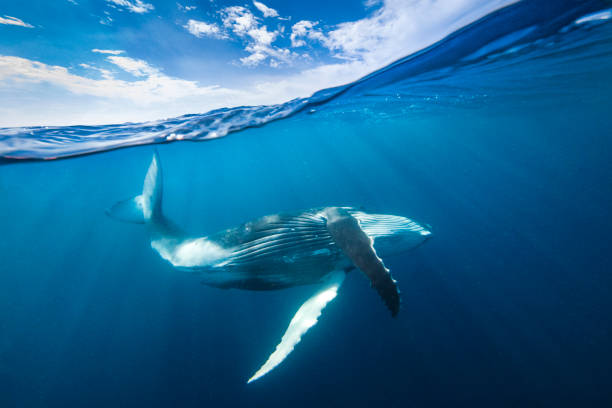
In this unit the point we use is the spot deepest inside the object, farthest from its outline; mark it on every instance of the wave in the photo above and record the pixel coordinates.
(515, 34)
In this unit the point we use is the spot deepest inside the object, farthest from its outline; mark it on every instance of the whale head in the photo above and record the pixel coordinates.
(392, 234)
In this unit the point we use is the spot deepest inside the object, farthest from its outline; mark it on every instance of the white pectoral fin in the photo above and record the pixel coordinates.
(306, 317)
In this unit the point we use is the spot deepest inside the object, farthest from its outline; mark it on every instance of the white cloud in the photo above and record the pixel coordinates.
(238, 19)
(14, 21)
(135, 6)
(113, 52)
(202, 29)
(105, 73)
(370, 3)
(73, 2)
(136, 67)
(260, 53)
(254, 59)
(42, 94)
(262, 36)
(305, 29)
(106, 19)
(266, 11)
(152, 85)
(258, 39)
(185, 8)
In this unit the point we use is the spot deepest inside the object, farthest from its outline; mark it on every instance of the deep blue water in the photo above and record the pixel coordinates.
(498, 138)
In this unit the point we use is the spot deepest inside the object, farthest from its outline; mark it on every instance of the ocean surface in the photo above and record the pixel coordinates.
(498, 138)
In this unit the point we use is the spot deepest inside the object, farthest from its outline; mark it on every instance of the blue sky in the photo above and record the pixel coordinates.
(109, 61)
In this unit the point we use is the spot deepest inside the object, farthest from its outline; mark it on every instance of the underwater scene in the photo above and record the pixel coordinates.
(436, 233)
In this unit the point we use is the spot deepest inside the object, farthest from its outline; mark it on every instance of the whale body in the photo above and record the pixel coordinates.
(312, 247)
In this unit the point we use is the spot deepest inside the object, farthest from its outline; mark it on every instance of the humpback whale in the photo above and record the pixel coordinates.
(313, 247)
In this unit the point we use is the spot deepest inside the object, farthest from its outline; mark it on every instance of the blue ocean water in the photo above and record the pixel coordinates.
(498, 137)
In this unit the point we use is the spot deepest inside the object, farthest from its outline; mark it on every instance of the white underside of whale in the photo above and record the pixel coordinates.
(189, 253)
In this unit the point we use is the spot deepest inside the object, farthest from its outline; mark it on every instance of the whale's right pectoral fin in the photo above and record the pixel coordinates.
(306, 317)
(358, 247)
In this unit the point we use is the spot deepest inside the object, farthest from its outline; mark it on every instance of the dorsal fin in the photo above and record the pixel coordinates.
(358, 247)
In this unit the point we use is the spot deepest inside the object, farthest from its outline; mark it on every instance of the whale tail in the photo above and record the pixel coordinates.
(145, 208)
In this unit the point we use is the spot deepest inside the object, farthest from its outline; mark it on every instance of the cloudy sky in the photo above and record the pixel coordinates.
(109, 61)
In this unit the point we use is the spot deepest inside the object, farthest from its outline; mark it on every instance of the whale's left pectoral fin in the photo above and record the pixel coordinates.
(306, 317)
(359, 248)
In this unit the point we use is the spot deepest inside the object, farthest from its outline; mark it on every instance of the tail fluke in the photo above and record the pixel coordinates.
(129, 210)
(147, 206)
(152, 190)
